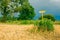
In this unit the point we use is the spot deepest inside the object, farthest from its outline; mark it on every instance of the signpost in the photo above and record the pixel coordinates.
(42, 12)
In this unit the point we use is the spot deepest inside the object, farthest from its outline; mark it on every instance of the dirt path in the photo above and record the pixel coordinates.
(19, 32)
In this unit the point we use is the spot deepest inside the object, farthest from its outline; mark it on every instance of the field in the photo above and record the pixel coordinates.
(20, 32)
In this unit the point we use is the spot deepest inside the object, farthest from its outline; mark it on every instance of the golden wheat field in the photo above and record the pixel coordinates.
(20, 32)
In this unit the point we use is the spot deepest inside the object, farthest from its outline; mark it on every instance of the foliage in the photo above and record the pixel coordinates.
(4, 8)
(9, 7)
(46, 24)
(21, 22)
(27, 12)
(48, 16)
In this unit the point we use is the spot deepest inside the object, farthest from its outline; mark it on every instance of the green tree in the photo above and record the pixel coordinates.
(15, 6)
(4, 8)
(8, 7)
(27, 12)
(48, 16)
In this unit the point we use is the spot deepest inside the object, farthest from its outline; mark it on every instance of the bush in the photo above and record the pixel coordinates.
(49, 16)
(46, 24)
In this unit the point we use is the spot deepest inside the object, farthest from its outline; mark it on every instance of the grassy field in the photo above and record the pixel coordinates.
(21, 32)
(27, 22)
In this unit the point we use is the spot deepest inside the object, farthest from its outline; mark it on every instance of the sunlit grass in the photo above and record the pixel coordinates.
(23, 32)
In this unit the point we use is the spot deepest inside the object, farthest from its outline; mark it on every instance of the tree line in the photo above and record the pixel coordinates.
(26, 12)
(9, 7)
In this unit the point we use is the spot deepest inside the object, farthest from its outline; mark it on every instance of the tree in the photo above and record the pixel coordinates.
(48, 16)
(15, 6)
(27, 12)
(8, 7)
(4, 8)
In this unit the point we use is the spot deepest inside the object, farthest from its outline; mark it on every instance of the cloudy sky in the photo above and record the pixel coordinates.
(51, 7)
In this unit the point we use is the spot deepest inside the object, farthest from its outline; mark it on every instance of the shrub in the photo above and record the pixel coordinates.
(46, 24)
(49, 16)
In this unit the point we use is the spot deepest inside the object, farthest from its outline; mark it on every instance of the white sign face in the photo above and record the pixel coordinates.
(42, 11)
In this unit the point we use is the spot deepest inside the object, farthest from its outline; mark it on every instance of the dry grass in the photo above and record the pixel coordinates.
(20, 32)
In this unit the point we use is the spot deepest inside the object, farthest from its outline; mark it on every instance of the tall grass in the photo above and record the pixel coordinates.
(22, 22)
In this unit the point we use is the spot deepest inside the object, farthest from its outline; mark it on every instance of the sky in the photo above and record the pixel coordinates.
(51, 7)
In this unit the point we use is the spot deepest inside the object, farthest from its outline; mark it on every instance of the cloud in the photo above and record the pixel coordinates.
(55, 3)
(55, 0)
